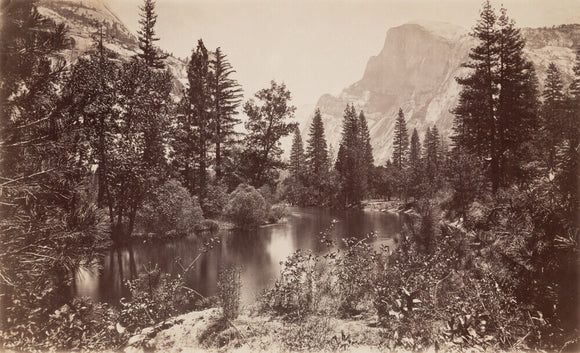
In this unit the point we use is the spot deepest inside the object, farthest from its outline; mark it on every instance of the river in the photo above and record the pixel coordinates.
(257, 253)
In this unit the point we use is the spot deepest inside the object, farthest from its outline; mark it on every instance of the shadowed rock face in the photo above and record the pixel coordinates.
(416, 71)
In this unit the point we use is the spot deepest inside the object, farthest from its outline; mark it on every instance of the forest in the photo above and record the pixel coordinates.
(103, 152)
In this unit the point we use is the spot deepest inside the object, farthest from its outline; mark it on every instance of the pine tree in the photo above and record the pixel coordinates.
(415, 165)
(568, 156)
(317, 157)
(193, 133)
(432, 153)
(226, 93)
(400, 142)
(349, 162)
(146, 35)
(415, 150)
(367, 152)
(297, 164)
(497, 110)
(517, 104)
(553, 114)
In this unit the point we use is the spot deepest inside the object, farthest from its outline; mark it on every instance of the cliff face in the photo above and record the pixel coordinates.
(83, 17)
(416, 71)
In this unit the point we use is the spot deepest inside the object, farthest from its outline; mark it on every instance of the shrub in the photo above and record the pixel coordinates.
(292, 294)
(276, 213)
(215, 201)
(355, 272)
(207, 225)
(83, 324)
(246, 207)
(450, 295)
(229, 291)
(170, 208)
(155, 297)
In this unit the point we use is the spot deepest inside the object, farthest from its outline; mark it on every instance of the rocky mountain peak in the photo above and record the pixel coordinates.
(416, 71)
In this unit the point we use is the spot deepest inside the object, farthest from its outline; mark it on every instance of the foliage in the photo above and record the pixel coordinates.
(229, 291)
(84, 324)
(215, 202)
(367, 164)
(194, 124)
(400, 142)
(155, 297)
(276, 213)
(48, 227)
(246, 207)
(268, 121)
(317, 158)
(146, 36)
(226, 94)
(497, 110)
(292, 294)
(355, 273)
(297, 164)
(350, 162)
(170, 209)
(296, 193)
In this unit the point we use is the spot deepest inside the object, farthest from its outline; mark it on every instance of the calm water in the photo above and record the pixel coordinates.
(258, 253)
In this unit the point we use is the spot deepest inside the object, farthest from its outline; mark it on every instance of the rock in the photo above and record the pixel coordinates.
(136, 340)
(132, 349)
(148, 332)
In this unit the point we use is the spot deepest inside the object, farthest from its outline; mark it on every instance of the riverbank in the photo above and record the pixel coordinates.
(205, 331)
(390, 206)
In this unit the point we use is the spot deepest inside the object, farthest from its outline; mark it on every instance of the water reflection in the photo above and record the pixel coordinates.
(258, 253)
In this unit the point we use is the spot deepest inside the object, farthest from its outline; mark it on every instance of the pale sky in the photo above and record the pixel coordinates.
(314, 46)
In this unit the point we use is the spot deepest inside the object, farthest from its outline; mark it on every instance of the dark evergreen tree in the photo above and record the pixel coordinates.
(553, 115)
(317, 157)
(568, 155)
(226, 94)
(349, 162)
(268, 121)
(146, 35)
(297, 165)
(199, 95)
(517, 105)
(415, 165)
(400, 142)
(415, 150)
(497, 110)
(194, 131)
(366, 153)
(432, 152)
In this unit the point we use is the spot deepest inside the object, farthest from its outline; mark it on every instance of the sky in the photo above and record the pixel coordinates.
(314, 46)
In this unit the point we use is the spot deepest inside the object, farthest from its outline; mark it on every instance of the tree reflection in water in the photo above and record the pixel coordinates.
(257, 253)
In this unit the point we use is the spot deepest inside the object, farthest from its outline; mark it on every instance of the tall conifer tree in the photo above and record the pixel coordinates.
(553, 114)
(297, 164)
(497, 110)
(350, 158)
(317, 157)
(415, 150)
(146, 35)
(226, 95)
(400, 142)
(367, 152)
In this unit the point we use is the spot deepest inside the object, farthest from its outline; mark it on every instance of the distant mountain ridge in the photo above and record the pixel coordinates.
(416, 71)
